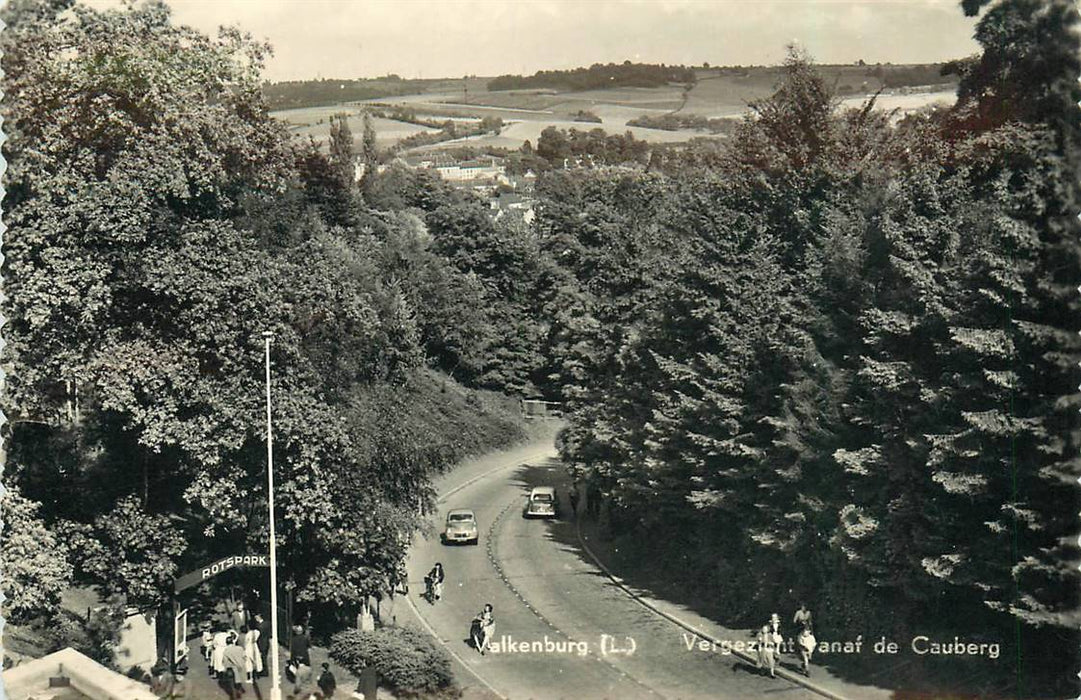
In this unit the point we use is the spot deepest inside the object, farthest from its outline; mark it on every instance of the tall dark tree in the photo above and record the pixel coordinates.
(342, 156)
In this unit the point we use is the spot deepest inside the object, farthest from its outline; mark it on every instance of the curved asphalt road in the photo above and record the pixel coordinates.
(593, 640)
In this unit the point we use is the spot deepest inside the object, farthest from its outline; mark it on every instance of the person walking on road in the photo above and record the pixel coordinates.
(262, 644)
(802, 618)
(483, 628)
(239, 617)
(326, 682)
(217, 653)
(300, 652)
(775, 633)
(233, 659)
(806, 643)
(206, 640)
(766, 651)
(253, 661)
(574, 499)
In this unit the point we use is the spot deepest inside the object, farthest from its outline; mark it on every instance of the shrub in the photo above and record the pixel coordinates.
(407, 660)
(96, 637)
(675, 122)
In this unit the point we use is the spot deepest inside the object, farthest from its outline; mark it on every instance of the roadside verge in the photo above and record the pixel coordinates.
(823, 684)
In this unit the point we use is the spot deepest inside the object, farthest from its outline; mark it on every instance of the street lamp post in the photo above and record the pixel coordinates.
(275, 687)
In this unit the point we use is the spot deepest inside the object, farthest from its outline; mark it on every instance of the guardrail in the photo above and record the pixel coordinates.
(535, 408)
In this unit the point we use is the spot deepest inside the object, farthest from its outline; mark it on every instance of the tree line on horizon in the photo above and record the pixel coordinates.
(598, 76)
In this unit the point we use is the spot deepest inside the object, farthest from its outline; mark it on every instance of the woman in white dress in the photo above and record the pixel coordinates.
(253, 662)
(217, 655)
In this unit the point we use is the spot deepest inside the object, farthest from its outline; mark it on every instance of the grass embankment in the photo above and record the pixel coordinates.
(466, 421)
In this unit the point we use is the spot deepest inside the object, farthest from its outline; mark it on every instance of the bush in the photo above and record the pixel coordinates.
(407, 660)
(96, 637)
(676, 122)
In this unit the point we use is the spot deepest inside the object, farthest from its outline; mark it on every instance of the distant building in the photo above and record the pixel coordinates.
(524, 182)
(512, 203)
(478, 171)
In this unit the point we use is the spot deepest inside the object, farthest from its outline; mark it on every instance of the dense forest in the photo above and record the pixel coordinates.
(831, 358)
(835, 359)
(158, 222)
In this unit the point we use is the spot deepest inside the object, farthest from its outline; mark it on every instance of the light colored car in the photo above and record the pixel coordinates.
(461, 527)
(542, 503)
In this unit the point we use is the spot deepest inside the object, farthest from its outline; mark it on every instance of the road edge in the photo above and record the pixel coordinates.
(780, 672)
(442, 498)
(459, 659)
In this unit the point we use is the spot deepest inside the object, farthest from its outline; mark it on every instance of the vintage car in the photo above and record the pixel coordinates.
(542, 503)
(461, 527)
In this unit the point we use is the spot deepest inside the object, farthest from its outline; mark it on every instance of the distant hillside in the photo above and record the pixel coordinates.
(329, 91)
(848, 79)
(597, 76)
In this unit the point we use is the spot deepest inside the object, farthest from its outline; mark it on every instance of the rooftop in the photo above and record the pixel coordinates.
(70, 675)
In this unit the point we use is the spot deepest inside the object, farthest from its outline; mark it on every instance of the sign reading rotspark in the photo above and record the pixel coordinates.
(213, 569)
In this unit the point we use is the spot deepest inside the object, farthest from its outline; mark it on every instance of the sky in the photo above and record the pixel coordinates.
(453, 38)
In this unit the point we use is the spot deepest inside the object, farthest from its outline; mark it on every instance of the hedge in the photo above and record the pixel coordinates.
(406, 659)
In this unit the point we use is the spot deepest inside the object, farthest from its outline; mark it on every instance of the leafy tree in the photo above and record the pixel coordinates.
(35, 561)
(1026, 69)
(342, 158)
(159, 222)
(369, 153)
(506, 261)
(552, 145)
(129, 552)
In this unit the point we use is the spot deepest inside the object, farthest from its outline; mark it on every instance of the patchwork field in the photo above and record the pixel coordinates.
(906, 101)
(315, 122)
(526, 113)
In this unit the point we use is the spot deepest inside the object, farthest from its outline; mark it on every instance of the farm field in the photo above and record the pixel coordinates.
(315, 122)
(526, 113)
(905, 101)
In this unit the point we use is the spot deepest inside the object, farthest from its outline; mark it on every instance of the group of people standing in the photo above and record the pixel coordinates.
(237, 651)
(770, 641)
